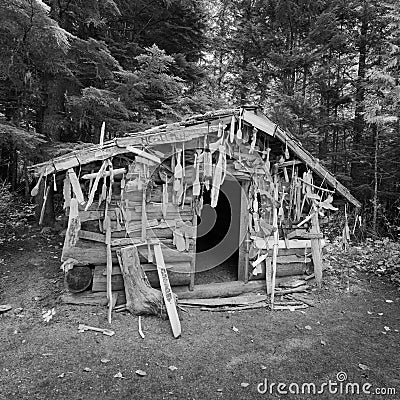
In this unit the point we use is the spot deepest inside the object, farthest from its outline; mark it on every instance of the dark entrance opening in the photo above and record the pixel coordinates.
(217, 244)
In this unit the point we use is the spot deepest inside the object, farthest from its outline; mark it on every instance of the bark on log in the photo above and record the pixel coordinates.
(141, 298)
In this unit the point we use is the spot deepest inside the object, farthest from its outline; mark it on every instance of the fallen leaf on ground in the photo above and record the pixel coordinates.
(172, 368)
(244, 384)
(48, 315)
(363, 367)
(140, 372)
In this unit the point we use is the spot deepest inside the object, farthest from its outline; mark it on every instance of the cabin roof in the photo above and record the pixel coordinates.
(193, 127)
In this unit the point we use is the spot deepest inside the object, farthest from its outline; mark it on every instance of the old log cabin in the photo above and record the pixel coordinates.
(227, 193)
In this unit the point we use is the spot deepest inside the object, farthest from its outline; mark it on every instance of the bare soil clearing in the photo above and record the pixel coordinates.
(40, 360)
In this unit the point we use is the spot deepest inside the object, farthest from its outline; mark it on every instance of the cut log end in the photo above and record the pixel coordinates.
(78, 279)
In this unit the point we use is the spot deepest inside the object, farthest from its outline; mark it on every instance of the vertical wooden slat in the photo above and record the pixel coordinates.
(316, 250)
(268, 275)
(276, 241)
(243, 262)
(193, 262)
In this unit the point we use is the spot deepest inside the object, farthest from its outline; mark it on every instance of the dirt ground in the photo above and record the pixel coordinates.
(353, 329)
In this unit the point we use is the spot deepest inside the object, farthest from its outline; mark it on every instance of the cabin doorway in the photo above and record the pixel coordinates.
(217, 243)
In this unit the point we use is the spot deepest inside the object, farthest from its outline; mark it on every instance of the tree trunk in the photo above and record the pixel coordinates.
(53, 111)
(375, 199)
(357, 169)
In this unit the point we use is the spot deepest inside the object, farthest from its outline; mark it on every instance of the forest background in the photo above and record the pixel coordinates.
(327, 70)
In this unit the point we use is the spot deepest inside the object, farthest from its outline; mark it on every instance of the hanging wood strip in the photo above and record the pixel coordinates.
(95, 184)
(74, 225)
(76, 187)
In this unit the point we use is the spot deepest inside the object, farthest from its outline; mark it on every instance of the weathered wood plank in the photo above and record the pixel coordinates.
(179, 275)
(303, 234)
(221, 289)
(90, 298)
(293, 243)
(92, 236)
(225, 301)
(95, 254)
(282, 270)
(316, 251)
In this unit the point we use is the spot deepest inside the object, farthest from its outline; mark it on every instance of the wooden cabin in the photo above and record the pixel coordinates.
(229, 194)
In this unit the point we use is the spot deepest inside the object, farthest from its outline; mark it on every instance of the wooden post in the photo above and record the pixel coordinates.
(243, 262)
(107, 223)
(268, 275)
(276, 241)
(193, 262)
(316, 249)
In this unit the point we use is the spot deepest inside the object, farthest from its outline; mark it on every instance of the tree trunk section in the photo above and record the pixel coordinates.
(78, 279)
(141, 298)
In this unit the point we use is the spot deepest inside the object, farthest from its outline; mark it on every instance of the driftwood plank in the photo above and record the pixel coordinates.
(283, 270)
(227, 301)
(90, 298)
